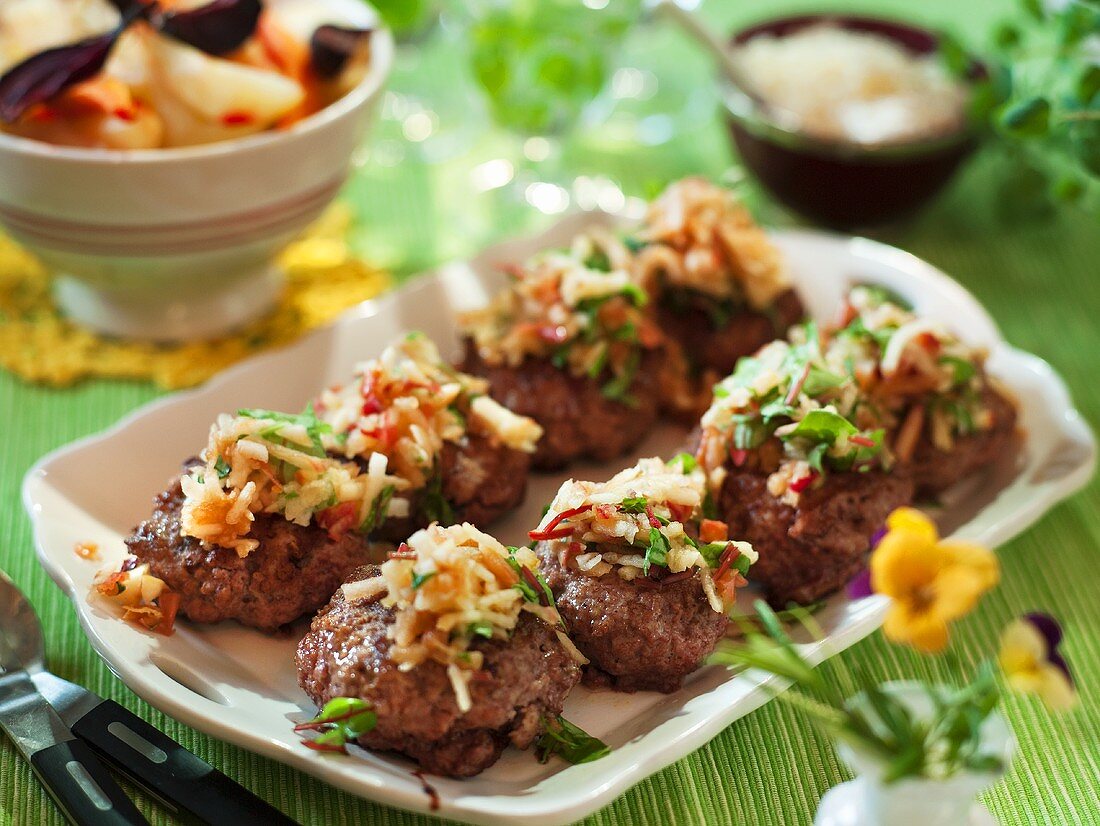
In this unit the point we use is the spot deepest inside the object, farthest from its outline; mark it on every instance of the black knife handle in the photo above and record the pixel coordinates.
(82, 788)
(194, 789)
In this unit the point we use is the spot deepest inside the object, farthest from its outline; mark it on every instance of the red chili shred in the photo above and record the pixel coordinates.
(738, 457)
(799, 485)
(862, 441)
(551, 531)
(238, 118)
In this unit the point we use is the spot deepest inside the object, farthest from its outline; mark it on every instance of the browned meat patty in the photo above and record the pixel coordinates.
(577, 419)
(482, 480)
(935, 470)
(292, 572)
(524, 679)
(639, 637)
(717, 350)
(810, 551)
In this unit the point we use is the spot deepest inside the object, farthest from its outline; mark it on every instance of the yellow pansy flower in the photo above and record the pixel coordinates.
(932, 582)
(1031, 663)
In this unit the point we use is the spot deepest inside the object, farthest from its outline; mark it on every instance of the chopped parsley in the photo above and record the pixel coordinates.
(541, 594)
(656, 552)
(376, 517)
(433, 504)
(480, 629)
(686, 461)
(420, 579)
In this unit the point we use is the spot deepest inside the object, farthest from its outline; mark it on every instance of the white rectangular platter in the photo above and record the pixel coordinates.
(239, 685)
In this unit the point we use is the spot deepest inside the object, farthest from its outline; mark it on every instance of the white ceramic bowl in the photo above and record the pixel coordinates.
(178, 244)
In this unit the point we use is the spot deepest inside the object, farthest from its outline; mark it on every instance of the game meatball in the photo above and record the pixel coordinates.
(455, 661)
(456, 454)
(291, 574)
(569, 344)
(643, 583)
(718, 286)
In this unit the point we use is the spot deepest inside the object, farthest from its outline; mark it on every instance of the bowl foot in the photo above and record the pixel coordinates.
(166, 315)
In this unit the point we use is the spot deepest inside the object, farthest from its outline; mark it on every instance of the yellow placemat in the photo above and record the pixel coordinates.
(40, 345)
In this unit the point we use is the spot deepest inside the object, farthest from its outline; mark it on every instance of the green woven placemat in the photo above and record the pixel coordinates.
(1040, 282)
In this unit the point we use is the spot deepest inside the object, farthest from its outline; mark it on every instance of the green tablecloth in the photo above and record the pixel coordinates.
(1038, 280)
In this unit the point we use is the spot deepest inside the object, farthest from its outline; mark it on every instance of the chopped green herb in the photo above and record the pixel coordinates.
(618, 388)
(656, 553)
(963, 371)
(685, 460)
(634, 504)
(378, 510)
(222, 467)
(433, 504)
(480, 629)
(420, 579)
(569, 742)
(342, 719)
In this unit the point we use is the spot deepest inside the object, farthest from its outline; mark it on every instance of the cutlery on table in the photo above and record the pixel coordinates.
(193, 789)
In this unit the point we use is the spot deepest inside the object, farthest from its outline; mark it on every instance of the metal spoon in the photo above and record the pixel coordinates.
(190, 787)
(67, 768)
(723, 56)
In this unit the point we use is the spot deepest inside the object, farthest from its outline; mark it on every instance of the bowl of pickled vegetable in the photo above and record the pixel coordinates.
(158, 155)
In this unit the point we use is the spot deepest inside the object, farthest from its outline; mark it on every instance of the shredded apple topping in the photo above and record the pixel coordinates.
(825, 401)
(575, 308)
(700, 238)
(407, 403)
(646, 519)
(262, 461)
(137, 595)
(450, 586)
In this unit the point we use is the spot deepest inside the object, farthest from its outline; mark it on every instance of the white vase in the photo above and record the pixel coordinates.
(917, 801)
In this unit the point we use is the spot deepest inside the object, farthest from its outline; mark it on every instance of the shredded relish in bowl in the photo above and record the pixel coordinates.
(139, 596)
(449, 587)
(405, 404)
(825, 401)
(646, 519)
(581, 308)
(699, 240)
(262, 461)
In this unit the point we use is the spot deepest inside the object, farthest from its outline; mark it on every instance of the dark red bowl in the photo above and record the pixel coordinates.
(840, 184)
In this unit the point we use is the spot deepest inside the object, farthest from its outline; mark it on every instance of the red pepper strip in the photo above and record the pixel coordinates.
(371, 404)
(738, 457)
(560, 533)
(799, 485)
(532, 580)
(654, 522)
(549, 533)
(313, 744)
(403, 552)
(862, 441)
(605, 511)
(796, 388)
(725, 560)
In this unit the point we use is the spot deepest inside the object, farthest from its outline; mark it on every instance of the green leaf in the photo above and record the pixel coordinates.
(433, 504)
(1029, 117)
(569, 742)
(420, 579)
(962, 370)
(634, 504)
(686, 462)
(618, 388)
(1085, 142)
(480, 629)
(656, 553)
(954, 55)
(1088, 84)
(221, 467)
(376, 517)
(822, 426)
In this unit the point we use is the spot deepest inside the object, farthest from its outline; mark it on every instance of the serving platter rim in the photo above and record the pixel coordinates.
(592, 786)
